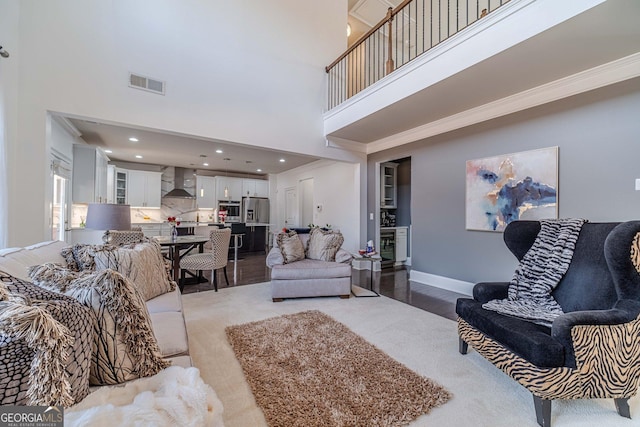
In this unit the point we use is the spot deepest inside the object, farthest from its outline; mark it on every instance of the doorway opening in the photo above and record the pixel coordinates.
(394, 213)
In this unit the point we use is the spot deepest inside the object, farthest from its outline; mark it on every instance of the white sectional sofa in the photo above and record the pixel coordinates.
(165, 310)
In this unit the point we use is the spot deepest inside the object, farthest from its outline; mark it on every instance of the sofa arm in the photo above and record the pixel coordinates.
(274, 257)
(487, 291)
(623, 312)
(343, 256)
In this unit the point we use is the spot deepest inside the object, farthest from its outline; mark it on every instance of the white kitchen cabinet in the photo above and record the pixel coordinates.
(255, 188)
(401, 244)
(262, 188)
(206, 192)
(143, 188)
(89, 182)
(234, 186)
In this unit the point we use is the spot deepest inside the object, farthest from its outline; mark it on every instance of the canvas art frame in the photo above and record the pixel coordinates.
(508, 187)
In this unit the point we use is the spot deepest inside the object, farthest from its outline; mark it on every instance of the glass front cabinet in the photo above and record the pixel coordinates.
(388, 183)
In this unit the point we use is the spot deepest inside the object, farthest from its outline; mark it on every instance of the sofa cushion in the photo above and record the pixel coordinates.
(16, 261)
(290, 246)
(310, 269)
(170, 333)
(171, 301)
(529, 340)
(323, 245)
(32, 371)
(141, 262)
(125, 345)
(47, 251)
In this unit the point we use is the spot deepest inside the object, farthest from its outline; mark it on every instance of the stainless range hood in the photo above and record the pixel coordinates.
(178, 191)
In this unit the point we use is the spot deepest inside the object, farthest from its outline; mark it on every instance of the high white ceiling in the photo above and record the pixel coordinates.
(158, 148)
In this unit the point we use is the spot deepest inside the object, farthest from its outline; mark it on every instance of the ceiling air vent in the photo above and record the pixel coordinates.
(146, 83)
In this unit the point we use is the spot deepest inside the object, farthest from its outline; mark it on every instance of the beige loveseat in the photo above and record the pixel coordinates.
(309, 277)
(165, 311)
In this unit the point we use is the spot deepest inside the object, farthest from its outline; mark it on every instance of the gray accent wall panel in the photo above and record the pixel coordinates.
(598, 135)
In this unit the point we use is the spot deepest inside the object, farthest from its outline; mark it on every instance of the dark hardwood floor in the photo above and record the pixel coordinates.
(392, 283)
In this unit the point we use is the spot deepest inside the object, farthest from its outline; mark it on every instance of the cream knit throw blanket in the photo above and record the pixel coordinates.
(175, 396)
(539, 272)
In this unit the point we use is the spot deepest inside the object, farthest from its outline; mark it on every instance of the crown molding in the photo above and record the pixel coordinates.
(345, 144)
(603, 75)
(66, 123)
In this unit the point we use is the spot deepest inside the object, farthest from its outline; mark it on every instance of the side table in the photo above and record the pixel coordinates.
(372, 259)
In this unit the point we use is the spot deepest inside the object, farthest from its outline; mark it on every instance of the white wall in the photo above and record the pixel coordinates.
(240, 71)
(336, 186)
(61, 139)
(9, 71)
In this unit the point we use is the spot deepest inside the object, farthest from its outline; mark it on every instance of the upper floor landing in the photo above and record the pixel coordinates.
(522, 54)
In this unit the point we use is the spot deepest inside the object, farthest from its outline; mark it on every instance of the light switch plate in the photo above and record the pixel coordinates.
(637, 184)
(371, 213)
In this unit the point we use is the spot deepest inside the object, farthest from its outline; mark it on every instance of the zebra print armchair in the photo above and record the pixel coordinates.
(590, 351)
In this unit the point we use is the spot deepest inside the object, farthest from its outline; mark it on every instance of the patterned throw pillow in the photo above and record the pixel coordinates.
(323, 245)
(141, 262)
(635, 252)
(291, 246)
(125, 346)
(79, 257)
(45, 346)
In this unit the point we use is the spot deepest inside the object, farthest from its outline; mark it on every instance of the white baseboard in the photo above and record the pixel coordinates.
(442, 282)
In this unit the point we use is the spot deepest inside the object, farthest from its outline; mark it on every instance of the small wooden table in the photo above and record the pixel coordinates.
(187, 243)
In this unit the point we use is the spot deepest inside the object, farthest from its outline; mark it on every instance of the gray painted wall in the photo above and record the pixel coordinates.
(598, 135)
(403, 213)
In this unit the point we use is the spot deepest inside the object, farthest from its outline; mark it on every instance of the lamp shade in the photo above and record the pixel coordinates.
(108, 216)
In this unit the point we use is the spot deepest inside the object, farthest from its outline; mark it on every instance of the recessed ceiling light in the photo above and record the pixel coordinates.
(138, 156)
(282, 160)
(258, 170)
(219, 151)
(133, 139)
(108, 151)
(205, 164)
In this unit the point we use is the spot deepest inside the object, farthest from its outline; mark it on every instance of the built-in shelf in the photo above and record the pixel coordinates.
(388, 184)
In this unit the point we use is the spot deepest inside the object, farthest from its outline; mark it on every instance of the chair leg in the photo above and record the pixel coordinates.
(463, 347)
(543, 411)
(183, 276)
(214, 278)
(622, 406)
(226, 279)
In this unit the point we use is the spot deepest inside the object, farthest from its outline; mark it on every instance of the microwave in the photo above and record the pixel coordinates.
(232, 208)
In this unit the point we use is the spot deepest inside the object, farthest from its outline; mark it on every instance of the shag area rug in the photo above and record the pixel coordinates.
(307, 369)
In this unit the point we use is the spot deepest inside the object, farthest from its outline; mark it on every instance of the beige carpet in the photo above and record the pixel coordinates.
(307, 369)
(425, 343)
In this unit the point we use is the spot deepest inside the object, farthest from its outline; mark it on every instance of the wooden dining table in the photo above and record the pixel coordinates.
(181, 243)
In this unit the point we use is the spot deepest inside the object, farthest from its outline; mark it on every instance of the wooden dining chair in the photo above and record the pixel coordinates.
(214, 260)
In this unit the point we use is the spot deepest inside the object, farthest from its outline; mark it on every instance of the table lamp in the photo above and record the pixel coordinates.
(108, 216)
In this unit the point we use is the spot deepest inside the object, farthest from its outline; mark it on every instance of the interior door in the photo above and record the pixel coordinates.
(290, 207)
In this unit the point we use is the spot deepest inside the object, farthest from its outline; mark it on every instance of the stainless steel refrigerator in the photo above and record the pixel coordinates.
(255, 210)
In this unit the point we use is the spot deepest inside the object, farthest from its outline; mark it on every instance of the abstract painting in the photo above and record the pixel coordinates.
(510, 187)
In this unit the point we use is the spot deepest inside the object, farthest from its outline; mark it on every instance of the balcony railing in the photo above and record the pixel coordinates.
(405, 33)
